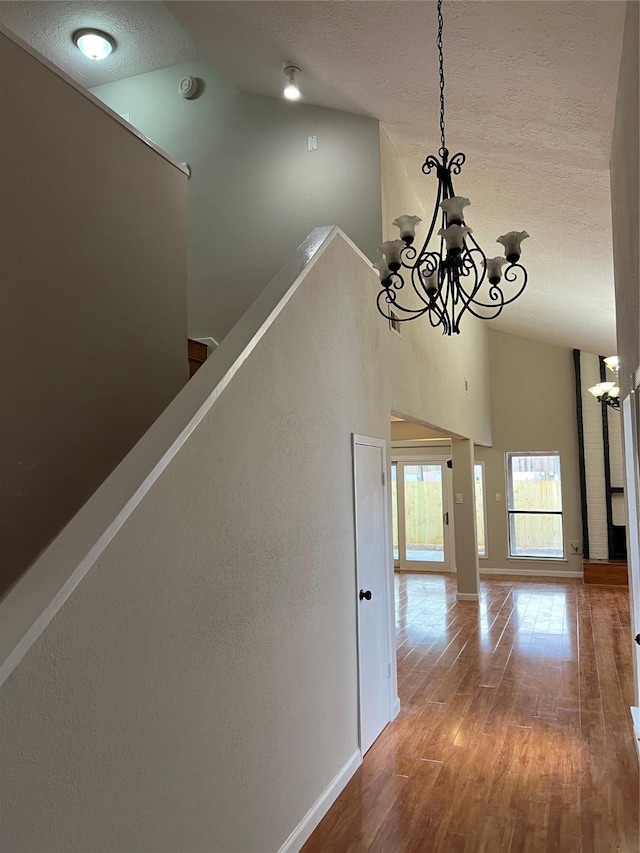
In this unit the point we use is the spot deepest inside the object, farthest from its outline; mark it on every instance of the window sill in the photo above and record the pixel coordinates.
(538, 559)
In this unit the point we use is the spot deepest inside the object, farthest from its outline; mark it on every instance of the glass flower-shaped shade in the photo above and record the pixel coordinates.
(454, 238)
(454, 208)
(407, 226)
(431, 284)
(604, 388)
(512, 243)
(613, 363)
(383, 270)
(391, 250)
(494, 269)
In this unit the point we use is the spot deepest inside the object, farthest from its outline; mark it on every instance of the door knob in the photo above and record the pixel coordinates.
(638, 639)
(365, 594)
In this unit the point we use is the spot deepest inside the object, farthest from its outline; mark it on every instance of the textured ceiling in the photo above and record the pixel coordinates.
(147, 36)
(530, 98)
(530, 95)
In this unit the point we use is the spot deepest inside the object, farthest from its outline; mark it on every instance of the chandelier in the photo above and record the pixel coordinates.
(455, 276)
(608, 393)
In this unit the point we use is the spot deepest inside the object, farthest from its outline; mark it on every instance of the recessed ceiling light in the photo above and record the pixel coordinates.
(94, 43)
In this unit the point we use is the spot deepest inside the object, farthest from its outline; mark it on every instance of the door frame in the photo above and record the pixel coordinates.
(449, 565)
(393, 702)
(631, 451)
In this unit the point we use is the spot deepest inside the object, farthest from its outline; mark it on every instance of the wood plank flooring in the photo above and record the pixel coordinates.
(514, 735)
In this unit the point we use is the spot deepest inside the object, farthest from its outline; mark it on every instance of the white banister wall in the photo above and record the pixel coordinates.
(93, 298)
(197, 690)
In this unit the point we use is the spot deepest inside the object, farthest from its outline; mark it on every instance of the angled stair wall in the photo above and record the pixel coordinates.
(180, 664)
(93, 297)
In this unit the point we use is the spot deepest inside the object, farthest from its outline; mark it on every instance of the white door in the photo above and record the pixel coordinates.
(373, 571)
(424, 515)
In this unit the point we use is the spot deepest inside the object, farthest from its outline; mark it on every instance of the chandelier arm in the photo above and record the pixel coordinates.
(462, 296)
(387, 297)
(438, 317)
(511, 275)
(456, 163)
(424, 251)
(496, 293)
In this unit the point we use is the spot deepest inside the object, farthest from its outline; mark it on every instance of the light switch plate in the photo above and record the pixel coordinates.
(458, 497)
(313, 143)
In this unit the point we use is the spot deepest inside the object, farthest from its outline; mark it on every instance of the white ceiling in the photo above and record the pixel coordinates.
(147, 36)
(530, 100)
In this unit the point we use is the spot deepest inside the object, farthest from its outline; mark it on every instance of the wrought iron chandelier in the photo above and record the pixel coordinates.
(608, 393)
(456, 276)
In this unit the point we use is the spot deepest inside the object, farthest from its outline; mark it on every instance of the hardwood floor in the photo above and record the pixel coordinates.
(515, 733)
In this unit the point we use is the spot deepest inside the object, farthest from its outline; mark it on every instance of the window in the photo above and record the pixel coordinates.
(534, 504)
(478, 478)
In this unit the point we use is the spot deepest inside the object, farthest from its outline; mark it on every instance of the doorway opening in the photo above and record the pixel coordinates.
(422, 514)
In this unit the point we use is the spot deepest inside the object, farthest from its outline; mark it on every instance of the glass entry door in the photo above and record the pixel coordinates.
(421, 516)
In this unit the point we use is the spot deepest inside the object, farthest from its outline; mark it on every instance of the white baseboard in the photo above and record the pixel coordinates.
(318, 810)
(395, 709)
(467, 596)
(533, 573)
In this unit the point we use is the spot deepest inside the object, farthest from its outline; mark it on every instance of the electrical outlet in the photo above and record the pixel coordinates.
(576, 547)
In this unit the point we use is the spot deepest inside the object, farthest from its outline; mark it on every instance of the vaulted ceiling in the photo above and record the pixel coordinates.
(530, 95)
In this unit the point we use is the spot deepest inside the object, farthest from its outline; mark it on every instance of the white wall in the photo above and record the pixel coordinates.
(625, 180)
(93, 300)
(532, 408)
(255, 191)
(197, 692)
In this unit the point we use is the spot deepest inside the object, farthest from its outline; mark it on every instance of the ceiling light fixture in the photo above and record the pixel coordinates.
(94, 44)
(291, 90)
(456, 276)
(608, 393)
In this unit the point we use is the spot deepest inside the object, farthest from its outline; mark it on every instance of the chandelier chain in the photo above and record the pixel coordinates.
(441, 63)
(452, 276)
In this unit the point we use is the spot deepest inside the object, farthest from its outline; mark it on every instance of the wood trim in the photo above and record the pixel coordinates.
(605, 572)
(197, 352)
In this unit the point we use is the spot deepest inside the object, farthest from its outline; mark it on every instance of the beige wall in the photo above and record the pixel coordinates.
(398, 197)
(256, 190)
(93, 302)
(625, 183)
(198, 690)
(532, 408)
(408, 430)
